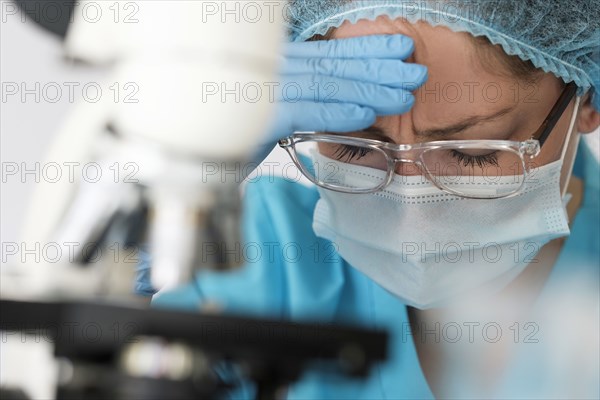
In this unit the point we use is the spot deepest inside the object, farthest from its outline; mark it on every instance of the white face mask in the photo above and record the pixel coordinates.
(429, 248)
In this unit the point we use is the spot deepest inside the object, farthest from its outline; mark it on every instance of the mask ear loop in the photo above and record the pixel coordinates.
(566, 146)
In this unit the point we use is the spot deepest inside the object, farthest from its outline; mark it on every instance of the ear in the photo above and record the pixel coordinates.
(588, 119)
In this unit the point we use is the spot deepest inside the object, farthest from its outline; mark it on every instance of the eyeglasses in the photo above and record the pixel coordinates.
(453, 166)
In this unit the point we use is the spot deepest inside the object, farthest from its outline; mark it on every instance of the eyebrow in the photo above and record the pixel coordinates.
(446, 131)
(462, 125)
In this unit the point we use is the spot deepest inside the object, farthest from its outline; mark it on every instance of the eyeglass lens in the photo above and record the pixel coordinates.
(459, 171)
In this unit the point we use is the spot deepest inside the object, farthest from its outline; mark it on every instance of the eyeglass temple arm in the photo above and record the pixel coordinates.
(557, 111)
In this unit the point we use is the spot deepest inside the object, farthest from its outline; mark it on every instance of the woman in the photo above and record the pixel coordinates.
(387, 236)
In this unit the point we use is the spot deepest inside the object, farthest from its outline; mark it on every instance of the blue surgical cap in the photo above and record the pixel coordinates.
(559, 36)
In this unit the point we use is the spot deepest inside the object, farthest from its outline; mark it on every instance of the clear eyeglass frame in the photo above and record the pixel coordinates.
(526, 151)
(413, 153)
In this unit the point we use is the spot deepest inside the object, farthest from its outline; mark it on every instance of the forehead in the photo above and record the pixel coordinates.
(458, 83)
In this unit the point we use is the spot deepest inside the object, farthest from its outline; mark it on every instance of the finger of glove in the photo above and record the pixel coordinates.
(392, 73)
(374, 46)
(320, 117)
(331, 90)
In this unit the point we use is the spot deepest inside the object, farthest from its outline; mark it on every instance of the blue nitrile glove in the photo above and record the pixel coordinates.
(342, 85)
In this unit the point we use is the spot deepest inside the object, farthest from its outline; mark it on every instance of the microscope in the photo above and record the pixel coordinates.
(174, 52)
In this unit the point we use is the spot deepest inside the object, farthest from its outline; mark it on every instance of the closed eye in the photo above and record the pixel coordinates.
(481, 161)
(348, 153)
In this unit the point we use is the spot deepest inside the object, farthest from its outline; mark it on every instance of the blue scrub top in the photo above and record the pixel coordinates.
(294, 275)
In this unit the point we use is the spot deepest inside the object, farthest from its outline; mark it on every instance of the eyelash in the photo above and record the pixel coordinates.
(481, 161)
(350, 152)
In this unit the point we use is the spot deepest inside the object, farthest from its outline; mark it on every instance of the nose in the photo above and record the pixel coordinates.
(406, 167)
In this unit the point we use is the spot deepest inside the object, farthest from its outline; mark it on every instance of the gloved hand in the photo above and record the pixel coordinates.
(342, 85)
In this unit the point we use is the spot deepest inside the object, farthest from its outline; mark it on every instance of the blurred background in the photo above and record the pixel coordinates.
(31, 58)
